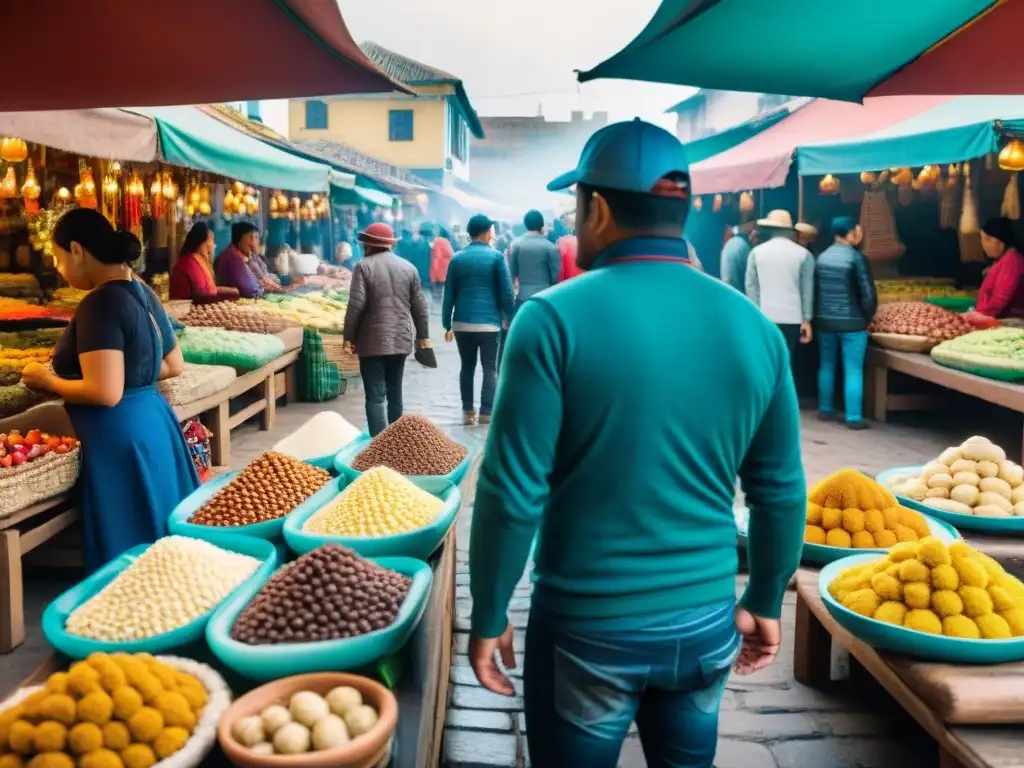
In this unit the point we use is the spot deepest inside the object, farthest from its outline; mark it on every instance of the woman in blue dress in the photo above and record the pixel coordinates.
(120, 343)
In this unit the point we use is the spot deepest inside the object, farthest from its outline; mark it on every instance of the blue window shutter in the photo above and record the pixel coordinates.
(316, 115)
(400, 125)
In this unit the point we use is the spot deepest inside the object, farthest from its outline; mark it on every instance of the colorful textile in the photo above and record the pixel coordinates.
(192, 278)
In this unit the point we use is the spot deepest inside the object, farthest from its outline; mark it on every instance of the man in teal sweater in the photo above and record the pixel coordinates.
(630, 400)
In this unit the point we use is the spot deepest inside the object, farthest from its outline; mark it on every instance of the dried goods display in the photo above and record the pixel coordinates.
(233, 318)
(849, 509)
(66, 300)
(105, 712)
(307, 722)
(380, 502)
(19, 309)
(17, 449)
(215, 346)
(322, 313)
(17, 398)
(324, 434)
(971, 479)
(995, 353)
(19, 286)
(13, 362)
(267, 489)
(328, 594)
(412, 446)
(928, 587)
(919, 289)
(918, 318)
(173, 583)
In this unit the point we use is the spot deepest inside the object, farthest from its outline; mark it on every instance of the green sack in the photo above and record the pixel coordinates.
(319, 378)
(215, 346)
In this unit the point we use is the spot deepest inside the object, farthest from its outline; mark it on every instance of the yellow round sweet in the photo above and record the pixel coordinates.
(51, 760)
(97, 708)
(50, 736)
(146, 725)
(21, 737)
(85, 738)
(101, 758)
(138, 756)
(116, 736)
(814, 534)
(127, 701)
(169, 741)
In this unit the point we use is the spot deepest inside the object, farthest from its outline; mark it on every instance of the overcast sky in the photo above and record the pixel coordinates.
(515, 55)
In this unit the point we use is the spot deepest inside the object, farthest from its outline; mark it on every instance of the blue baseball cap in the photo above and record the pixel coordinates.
(630, 156)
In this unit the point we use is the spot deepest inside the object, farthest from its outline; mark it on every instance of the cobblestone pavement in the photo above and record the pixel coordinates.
(767, 721)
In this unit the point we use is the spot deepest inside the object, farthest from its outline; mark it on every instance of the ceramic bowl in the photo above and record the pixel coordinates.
(366, 751)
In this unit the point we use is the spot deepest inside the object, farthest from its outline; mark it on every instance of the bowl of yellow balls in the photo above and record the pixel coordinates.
(379, 513)
(116, 711)
(929, 600)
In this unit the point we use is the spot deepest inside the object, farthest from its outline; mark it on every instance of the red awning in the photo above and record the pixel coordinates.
(112, 53)
(979, 58)
(763, 162)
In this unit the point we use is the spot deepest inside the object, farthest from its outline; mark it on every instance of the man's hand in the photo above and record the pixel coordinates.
(761, 641)
(482, 658)
(424, 343)
(449, 336)
(806, 333)
(349, 347)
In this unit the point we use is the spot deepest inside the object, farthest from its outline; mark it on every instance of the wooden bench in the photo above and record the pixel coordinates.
(946, 700)
(918, 366)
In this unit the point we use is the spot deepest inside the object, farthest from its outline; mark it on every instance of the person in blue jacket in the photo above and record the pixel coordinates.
(478, 302)
(630, 399)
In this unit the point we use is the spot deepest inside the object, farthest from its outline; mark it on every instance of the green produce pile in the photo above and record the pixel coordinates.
(996, 353)
(214, 346)
(17, 398)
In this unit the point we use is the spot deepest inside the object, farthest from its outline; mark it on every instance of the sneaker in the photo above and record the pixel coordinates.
(469, 418)
(485, 418)
(822, 416)
(857, 426)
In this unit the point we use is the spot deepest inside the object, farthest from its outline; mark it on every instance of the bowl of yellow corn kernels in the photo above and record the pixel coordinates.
(928, 599)
(379, 513)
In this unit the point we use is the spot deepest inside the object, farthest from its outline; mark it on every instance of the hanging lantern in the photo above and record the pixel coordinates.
(190, 210)
(193, 195)
(746, 202)
(829, 185)
(698, 203)
(204, 193)
(1011, 157)
(868, 178)
(204, 208)
(169, 189)
(85, 190)
(273, 206)
(155, 187)
(13, 150)
(282, 202)
(109, 185)
(238, 188)
(64, 195)
(716, 204)
(9, 186)
(229, 202)
(30, 190)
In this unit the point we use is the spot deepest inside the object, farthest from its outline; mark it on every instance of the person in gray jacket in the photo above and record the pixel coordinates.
(533, 260)
(387, 316)
(846, 301)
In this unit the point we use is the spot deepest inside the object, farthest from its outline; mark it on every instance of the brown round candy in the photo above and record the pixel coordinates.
(412, 446)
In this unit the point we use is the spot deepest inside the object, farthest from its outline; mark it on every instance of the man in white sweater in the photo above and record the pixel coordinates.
(780, 278)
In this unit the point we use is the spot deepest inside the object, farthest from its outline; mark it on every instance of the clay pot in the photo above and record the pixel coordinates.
(368, 751)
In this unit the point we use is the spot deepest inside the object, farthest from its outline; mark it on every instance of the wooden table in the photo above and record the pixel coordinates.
(940, 697)
(919, 366)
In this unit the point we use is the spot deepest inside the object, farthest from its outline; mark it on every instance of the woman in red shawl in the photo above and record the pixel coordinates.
(441, 253)
(192, 277)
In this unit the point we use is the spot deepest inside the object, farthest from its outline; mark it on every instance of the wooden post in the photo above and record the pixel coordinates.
(879, 392)
(12, 608)
(799, 197)
(812, 648)
(270, 395)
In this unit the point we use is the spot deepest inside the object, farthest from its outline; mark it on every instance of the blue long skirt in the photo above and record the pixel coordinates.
(135, 470)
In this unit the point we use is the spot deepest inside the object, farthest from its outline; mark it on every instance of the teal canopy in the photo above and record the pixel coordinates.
(716, 143)
(193, 139)
(961, 128)
(360, 194)
(841, 49)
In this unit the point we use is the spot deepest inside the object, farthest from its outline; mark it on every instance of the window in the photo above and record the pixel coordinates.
(316, 115)
(458, 136)
(400, 125)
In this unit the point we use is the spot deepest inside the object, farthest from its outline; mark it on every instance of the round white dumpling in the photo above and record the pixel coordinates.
(263, 748)
(291, 739)
(330, 733)
(274, 718)
(248, 731)
(343, 698)
(308, 708)
(360, 720)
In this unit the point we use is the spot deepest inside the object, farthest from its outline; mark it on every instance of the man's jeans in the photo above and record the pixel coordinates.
(852, 347)
(583, 688)
(382, 380)
(470, 343)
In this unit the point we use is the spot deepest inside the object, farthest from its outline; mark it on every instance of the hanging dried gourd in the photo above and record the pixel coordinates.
(881, 240)
(9, 186)
(1011, 198)
(969, 224)
(85, 189)
(1011, 157)
(13, 150)
(868, 178)
(111, 198)
(716, 203)
(31, 190)
(829, 185)
(135, 191)
(698, 203)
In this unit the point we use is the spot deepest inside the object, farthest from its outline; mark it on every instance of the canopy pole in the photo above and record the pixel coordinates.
(799, 198)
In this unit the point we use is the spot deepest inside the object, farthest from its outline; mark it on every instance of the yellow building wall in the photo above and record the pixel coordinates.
(363, 124)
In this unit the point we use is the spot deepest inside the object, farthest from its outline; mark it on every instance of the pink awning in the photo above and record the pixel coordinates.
(763, 161)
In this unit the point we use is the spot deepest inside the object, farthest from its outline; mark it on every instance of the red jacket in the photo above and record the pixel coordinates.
(440, 256)
(567, 249)
(1002, 290)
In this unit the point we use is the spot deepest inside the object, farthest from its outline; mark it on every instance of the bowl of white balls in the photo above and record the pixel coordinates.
(323, 720)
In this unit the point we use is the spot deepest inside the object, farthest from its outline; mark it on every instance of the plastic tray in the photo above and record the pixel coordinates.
(889, 637)
(419, 544)
(178, 523)
(56, 614)
(953, 303)
(343, 462)
(821, 554)
(1006, 526)
(270, 662)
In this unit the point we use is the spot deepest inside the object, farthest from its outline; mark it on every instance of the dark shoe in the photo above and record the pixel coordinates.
(822, 416)
(469, 418)
(485, 418)
(857, 426)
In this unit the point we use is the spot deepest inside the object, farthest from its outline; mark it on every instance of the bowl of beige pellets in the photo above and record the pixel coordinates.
(155, 597)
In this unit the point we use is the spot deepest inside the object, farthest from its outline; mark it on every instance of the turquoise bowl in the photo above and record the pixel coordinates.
(822, 554)
(1005, 526)
(270, 530)
(343, 462)
(56, 614)
(419, 544)
(272, 662)
(890, 637)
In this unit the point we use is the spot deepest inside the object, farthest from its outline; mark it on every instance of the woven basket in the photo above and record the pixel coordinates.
(196, 382)
(334, 348)
(899, 342)
(38, 480)
(204, 735)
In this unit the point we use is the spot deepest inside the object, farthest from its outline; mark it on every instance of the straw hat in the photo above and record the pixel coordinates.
(806, 229)
(777, 219)
(379, 234)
